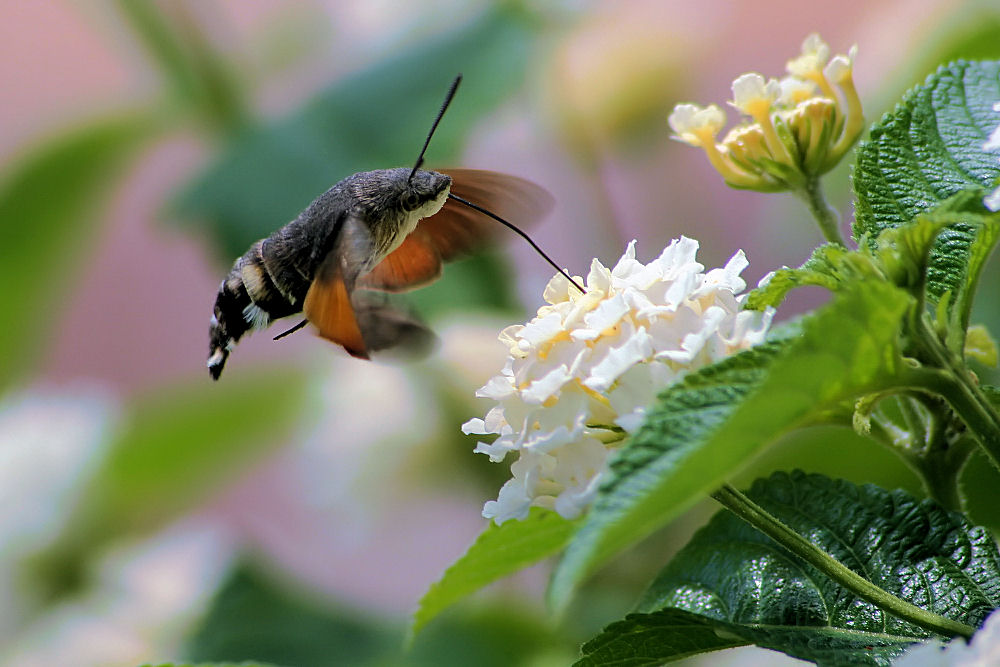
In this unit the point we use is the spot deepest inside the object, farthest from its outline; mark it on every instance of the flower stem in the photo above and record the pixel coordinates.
(951, 380)
(759, 518)
(827, 217)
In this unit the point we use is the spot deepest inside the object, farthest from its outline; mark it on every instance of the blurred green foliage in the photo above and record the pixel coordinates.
(48, 213)
(255, 617)
(176, 448)
(202, 84)
(374, 119)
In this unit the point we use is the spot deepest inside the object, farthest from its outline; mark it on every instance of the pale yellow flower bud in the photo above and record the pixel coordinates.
(696, 125)
(801, 125)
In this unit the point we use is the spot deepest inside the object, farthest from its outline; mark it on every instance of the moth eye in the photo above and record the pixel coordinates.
(410, 201)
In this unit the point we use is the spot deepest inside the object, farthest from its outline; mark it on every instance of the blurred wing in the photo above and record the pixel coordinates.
(458, 230)
(391, 332)
(328, 304)
(413, 264)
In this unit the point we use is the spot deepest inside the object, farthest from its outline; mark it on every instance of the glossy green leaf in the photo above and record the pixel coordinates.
(704, 429)
(824, 268)
(657, 637)
(48, 202)
(733, 579)
(498, 552)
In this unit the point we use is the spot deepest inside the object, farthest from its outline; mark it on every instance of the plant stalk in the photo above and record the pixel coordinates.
(759, 518)
(954, 383)
(826, 215)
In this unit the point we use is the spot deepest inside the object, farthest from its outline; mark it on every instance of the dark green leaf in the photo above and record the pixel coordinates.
(48, 201)
(705, 428)
(655, 638)
(499, 551)
(375, 119)
(751, 590)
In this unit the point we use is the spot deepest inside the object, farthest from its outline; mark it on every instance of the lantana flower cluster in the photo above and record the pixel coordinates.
(798, 127)
(581, 374)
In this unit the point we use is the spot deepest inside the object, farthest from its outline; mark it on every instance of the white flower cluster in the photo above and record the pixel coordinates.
(582, 372)
(982, 651)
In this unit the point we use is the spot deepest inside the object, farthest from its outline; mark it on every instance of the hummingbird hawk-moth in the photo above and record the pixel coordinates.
(387, 230)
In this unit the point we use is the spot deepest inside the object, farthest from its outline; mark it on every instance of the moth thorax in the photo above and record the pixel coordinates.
(408, 221)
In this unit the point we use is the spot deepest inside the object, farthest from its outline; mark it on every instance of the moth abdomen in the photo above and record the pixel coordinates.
(251, 297)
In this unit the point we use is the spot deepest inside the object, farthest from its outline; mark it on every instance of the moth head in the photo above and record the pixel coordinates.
(425, 189)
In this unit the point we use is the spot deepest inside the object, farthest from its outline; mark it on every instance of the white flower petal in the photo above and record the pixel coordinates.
(541, 330)
(638, 349)
(547, 386)
(498, 388)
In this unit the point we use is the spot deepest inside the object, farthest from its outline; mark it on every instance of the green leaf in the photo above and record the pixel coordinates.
(655, 638)
(929, 147)
(824, 268)
(375, 119)
(750, 590)
(705, 428)
(498, 552)
(177, 446)
(48, 200)
(925, 152)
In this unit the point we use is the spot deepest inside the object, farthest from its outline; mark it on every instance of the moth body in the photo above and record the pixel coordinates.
(358, 222)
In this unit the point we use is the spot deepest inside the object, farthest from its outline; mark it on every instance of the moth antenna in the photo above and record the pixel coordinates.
(523, 235)
(444, 107)
(292, 330)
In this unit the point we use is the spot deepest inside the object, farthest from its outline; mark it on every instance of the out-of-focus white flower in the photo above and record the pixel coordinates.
(49, 443)
(992, 200)
(982, 651)
(580, 375)
(148, 596)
